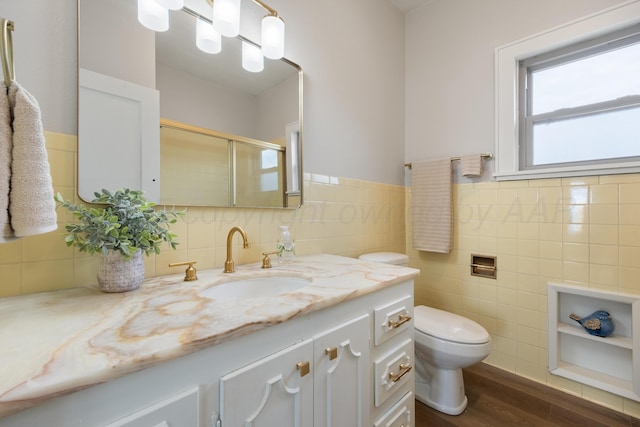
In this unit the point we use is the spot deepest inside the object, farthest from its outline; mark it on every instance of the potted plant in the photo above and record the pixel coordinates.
(121, 229)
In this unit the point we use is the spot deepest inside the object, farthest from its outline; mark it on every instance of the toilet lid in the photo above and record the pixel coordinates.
(448, 326)
(386, 258)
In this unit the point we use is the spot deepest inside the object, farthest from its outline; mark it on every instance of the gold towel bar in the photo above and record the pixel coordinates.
(6, 50)
(487, 156)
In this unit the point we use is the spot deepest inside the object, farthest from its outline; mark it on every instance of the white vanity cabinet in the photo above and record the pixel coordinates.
(261, 376)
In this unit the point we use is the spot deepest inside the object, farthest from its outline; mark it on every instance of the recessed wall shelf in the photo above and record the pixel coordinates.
(611, 364)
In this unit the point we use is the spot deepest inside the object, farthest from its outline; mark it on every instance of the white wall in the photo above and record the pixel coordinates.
(104, 55)
(45, 56)
(351, 52)
(269, 125)
(205, 104)
(450, 62)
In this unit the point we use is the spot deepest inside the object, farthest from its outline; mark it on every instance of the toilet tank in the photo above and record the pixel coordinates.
(394, 258)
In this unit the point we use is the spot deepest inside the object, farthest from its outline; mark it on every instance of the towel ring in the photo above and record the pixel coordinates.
(6, 45)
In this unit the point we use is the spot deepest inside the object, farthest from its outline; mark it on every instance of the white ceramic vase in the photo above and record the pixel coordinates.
(117, 274)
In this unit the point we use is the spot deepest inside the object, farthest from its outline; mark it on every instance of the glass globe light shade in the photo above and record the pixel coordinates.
(152, 15)
(226, 17)
(207, 38)
(171, 4)
(272, 37)
(252, 59)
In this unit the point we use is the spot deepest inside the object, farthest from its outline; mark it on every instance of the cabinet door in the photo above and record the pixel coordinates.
(274, 391)
(341, 377)
(178, 411)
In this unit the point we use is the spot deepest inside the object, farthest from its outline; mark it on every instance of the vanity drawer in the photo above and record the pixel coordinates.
(399, 415)
(393, 372)
(392, 319)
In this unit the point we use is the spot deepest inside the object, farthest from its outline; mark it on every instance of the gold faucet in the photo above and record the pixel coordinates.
(228, 264)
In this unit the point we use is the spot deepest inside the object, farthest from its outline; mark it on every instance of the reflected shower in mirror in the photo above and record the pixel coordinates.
(207, 168)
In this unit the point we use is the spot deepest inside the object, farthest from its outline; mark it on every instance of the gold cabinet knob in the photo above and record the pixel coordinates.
(332, 352)
(303, 367)
(190, 272)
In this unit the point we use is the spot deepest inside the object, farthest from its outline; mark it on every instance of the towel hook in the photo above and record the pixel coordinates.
(6, 45)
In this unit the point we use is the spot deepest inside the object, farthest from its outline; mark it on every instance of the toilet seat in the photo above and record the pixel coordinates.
(448, 326)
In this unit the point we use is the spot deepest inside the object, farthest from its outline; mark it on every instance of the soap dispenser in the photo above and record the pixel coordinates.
(286, 245)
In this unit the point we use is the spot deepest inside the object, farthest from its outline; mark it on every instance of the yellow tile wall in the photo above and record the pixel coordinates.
(579, 231)
(340, 216)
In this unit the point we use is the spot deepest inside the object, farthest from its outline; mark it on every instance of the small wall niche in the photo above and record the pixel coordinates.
(612, 363)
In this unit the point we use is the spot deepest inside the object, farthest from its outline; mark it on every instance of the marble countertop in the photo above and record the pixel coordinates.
(53, 343)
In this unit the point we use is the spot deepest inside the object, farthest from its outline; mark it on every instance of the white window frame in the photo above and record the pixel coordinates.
(507, 162)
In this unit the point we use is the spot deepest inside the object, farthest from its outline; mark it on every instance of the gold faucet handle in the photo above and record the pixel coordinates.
(266, 261)
(189, 273)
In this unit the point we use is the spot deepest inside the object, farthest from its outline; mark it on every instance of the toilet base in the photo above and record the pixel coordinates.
(444, 391)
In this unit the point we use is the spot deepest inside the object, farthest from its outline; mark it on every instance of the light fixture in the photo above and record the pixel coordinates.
(225, 20)
(171, 4)
(272, 39)
(152, 15)
(207, 38)
(252, 59)
(226, 17)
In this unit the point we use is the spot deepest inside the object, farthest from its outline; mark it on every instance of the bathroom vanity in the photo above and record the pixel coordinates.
(336, 351)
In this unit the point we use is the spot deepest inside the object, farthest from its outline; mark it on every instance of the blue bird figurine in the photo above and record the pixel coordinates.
(598, 323)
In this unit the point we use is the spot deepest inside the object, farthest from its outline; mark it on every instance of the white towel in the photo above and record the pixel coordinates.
(31, 204)
(6, 143)
(431, 205)
(471, 165)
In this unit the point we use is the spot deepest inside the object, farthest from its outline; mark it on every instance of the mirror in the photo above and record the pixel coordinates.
(132, 77)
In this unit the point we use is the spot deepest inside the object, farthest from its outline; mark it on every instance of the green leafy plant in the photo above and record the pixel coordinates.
(126, 222)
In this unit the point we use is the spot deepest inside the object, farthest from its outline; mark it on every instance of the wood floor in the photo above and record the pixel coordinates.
(498, 398)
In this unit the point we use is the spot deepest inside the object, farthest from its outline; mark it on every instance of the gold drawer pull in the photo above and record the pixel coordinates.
(332, 352)
(303, 367)
(404, 370)
(402, 319)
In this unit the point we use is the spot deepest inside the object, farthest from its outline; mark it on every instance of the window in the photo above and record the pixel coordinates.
(269, 173)
(581, 104)
(568, 100)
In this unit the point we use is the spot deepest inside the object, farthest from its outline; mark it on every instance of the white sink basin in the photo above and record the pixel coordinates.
(257, 287)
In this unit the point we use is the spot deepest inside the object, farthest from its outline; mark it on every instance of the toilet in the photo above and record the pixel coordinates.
(444, 344)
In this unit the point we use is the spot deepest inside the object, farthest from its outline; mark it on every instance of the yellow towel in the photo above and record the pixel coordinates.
(431, 205)
(31, 204)
(471, 165)
(6, 142)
